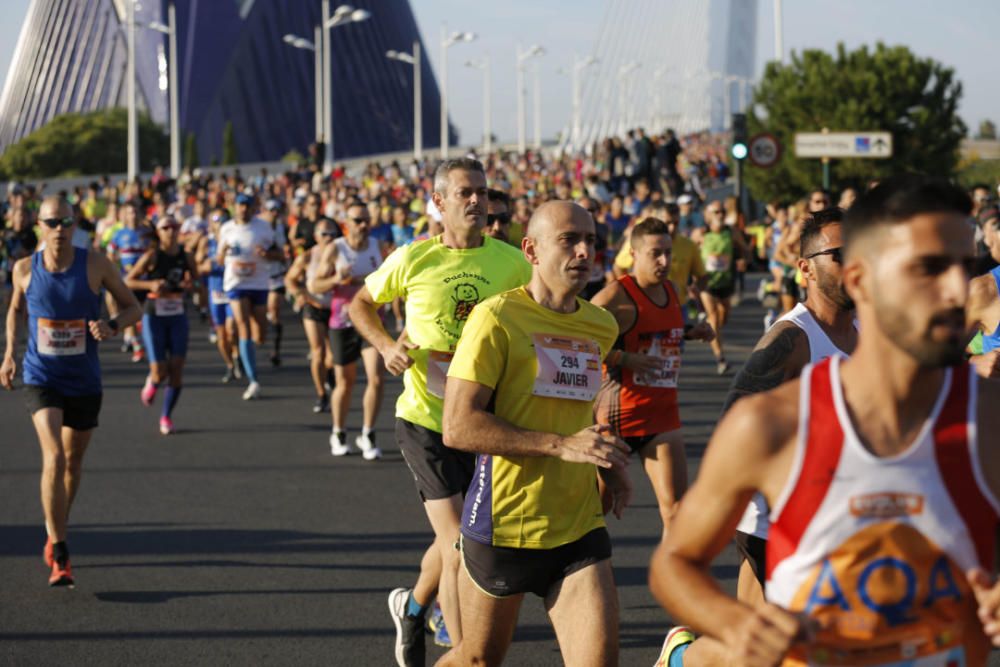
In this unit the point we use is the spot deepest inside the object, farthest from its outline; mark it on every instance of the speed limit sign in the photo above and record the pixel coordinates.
(764, 150)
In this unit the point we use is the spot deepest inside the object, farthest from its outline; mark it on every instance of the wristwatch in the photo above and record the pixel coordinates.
(113, 325)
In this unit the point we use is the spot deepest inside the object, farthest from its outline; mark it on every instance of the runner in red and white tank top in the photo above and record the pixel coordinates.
(882, 472)
(876, 548)
(638, 396)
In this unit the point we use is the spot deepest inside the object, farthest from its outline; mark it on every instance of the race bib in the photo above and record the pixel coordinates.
(671, 356)
(437, 372)
(567, 367)
(61, 338)
(219, 297)
(167, 306)
(244, 269)
(717, 263)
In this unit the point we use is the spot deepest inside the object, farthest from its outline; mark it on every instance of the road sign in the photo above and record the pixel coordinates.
(843, 144)
(764, 150)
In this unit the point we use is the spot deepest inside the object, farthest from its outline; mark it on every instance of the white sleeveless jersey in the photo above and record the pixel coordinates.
(754, 521)
(315, 254)
(876, 548)
(361, 263)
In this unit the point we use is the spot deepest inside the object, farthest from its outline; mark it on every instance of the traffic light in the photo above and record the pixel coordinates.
(740, 138)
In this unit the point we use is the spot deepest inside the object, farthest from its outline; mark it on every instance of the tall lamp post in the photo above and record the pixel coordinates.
(175, 132)
(523, 56)
(343, 15)
(133, 130)
(418, 123)
(447, 41)
(302, 43)
(624, 79)
(578, 67)
(484, 64)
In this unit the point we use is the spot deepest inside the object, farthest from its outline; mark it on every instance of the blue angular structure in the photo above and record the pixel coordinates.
(233, 67)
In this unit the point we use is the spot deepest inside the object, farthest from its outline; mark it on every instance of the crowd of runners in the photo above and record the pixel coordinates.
(538, 310)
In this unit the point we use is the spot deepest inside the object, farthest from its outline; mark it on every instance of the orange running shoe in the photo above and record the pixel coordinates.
(47, 554)
(62, 574)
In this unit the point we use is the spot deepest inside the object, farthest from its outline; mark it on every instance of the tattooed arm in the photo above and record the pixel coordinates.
(779, 356)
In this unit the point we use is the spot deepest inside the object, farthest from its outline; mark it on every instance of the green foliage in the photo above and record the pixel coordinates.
(293, 157)
(886, 89)
(975, 172)
(191, 151)
(987, 130)
(228, 144)
(84, 143)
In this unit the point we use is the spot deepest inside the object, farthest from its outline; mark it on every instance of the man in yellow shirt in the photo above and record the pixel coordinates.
(685, 262)
(520, 394)
(440, 279)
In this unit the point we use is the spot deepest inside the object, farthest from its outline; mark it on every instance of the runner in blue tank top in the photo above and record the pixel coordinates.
(167, 272)
(983, 311)
(218, 303)
(60, 287)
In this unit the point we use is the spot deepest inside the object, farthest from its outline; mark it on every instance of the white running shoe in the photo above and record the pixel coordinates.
(252, 392)
(368, 449)
(338, 447)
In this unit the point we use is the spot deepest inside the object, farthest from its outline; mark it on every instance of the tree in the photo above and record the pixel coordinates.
(886, 89)
(191, 151)
(228, 144)
(987, 130)
(84, 143)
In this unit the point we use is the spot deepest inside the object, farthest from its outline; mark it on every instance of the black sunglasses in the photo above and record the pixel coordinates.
(330, 234)
(835, 254)
(52, 223)
(502, 218)
(358, 221)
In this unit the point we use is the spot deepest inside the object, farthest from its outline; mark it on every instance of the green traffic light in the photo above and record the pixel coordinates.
(739, 151)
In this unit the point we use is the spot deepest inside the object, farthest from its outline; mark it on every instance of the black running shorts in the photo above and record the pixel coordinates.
(346, 345)
(311, 312)
(439, 471)
(79, 412)
(504, 571)
(753, 549)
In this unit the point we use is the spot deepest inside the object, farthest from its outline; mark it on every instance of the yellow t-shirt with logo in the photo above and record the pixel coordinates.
(544, 368)
(440, 286)
(685, 261)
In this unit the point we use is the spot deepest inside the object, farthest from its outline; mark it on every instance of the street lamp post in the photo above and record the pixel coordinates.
(448, 41)
(624, 78)
(133, 130)
(535, 50)
(578, 67)
(418, 124)
(303, 43)
(343, 15)
(484, 65)
(537, 101)
(175, 132)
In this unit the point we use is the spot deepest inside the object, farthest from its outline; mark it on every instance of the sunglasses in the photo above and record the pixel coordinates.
(328, 234)
(52, 223)
(170, 227)
(358, 221)
(502, 218)
(835, 254)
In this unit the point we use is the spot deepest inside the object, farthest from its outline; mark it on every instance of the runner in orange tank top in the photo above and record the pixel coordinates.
(638, 396)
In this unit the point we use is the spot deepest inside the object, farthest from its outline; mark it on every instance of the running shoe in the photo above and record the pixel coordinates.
(322, 404)
(410, 647)
(252, 392)
(148, 393)
(338, 444)
(722, 367)
(48, 554)
(166, 425)
(137, 355)
(62, 574)
(238, 370)
(368, 449)
(437, 627)
(275, 360)
(126, 345)
(213, 338)
(677, 637)
(229, 376)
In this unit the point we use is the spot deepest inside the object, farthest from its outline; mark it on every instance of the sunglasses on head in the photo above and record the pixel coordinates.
(502, 218)
(835, 254)
(52, 223)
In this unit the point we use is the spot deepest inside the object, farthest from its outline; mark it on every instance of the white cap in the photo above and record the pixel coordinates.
(684, 199)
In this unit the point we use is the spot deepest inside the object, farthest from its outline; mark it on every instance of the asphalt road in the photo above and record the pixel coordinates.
(240, 540)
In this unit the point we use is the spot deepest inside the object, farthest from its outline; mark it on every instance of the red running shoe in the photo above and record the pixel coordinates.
(47, 554)
(62, 574)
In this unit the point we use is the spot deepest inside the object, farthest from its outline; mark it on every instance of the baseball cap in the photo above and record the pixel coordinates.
(244, 199)
(684, 199)
(272, 205)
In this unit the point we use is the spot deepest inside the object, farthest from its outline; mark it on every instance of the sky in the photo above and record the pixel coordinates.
(960, 34)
